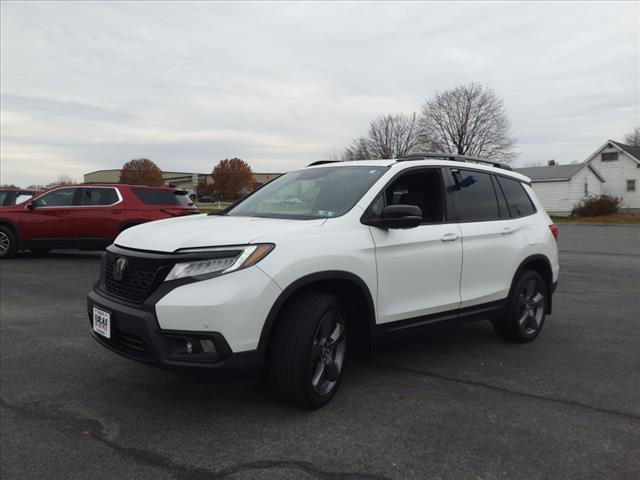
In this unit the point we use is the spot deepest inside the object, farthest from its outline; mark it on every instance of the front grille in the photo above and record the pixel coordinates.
(141, 278)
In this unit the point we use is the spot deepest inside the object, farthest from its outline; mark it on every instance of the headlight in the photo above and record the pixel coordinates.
(223, 260)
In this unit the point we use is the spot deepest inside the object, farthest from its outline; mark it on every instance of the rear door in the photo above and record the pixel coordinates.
(492, 242)
(418, 268)
(99, 215)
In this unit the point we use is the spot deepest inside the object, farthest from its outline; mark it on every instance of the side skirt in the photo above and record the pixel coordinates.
(403, 328)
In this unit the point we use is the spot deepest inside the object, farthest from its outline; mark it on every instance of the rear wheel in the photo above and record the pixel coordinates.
(8, 242)
(526, 309)
(308, 350)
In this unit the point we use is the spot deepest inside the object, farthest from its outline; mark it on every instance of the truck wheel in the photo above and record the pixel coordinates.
(8, 242)
(308, 350)
(526, 309)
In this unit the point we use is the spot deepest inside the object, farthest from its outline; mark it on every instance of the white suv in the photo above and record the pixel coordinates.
(327, 258)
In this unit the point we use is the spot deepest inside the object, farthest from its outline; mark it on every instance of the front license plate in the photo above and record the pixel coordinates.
(102, 322)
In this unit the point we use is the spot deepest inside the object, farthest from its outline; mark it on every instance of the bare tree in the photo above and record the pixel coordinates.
(633, 138)
(358, 150)
(390, 136)
(468, 120)
(62, 179)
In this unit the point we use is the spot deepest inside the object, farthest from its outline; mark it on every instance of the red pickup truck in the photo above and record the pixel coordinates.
(87, 216)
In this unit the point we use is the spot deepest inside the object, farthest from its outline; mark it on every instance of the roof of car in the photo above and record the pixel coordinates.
(421, 161)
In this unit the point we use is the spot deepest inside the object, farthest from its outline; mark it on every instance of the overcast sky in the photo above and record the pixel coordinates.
(88, 86)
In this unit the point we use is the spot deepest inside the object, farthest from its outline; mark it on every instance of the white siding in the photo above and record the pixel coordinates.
(616, 174)
(559, 198)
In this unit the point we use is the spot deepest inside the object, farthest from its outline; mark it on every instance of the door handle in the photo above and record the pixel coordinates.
(63, 212)
(449, 237)
(115, 211)
(508, 230)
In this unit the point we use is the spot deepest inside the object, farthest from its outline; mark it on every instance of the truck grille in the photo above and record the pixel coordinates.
(140, 280)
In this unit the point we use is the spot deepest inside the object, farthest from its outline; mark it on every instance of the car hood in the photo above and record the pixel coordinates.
(196, 231)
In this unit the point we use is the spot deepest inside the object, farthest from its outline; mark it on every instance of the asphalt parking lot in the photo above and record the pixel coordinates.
(456, 403)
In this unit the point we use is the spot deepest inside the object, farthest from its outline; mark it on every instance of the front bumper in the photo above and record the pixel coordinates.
(136, 334)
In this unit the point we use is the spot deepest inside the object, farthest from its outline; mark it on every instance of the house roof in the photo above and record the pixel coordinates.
(557, 173)
(632, 150)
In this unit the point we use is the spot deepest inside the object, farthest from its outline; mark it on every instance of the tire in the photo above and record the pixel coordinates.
(8, 242)
(526, 309)
(40, 251)
(308, 350)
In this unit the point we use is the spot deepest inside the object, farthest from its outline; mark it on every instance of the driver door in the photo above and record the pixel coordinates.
(418, 268)
(50, 216)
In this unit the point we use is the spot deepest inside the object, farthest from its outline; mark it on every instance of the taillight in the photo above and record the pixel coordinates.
(554, 231)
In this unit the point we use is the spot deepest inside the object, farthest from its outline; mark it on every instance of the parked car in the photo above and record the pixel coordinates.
(88, 216)
(377, 249)
(16, 196)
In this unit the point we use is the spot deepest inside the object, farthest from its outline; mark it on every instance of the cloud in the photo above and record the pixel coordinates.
(89, 85)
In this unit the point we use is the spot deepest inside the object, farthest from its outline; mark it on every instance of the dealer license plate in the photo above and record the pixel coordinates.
(102, 322)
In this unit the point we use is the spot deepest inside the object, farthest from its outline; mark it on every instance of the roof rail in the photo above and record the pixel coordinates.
(322, 162)
(453, 157)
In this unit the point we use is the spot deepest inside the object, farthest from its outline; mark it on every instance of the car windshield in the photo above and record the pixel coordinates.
(313, 193)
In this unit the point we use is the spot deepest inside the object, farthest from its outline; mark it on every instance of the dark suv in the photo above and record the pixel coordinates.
(88, 216)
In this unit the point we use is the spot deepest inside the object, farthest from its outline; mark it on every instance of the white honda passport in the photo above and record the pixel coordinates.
(325, 259)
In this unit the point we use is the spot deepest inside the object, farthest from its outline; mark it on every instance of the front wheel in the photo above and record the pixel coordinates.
(8, 242)
(308, 350)
(526, 309)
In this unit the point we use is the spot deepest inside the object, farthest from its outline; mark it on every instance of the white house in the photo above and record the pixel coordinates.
(560, 187)
(613, 169)
(620, 166)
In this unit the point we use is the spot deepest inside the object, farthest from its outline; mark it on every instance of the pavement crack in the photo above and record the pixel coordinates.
(476, 383)
(95, 429)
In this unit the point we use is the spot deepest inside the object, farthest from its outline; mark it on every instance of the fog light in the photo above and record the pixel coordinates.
(207, 346)
(189, 347)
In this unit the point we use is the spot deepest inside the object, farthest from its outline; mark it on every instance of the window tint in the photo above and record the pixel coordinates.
(157, 196)
(421, 188)
(58, 198)
(502, 202)
(98, 196)
(474, 196)
(520, 205)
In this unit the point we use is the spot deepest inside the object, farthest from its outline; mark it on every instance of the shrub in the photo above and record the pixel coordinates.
(594, 206)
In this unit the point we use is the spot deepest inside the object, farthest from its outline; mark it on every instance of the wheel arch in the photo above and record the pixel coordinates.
(8, 223)
(538, 263)
(350, 288)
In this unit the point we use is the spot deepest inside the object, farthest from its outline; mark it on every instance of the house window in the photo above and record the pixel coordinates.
(609, 156)
(586, 189)
(631, 185)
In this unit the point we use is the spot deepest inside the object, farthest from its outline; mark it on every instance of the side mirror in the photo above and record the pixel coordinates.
(31, 206)
(398, 216)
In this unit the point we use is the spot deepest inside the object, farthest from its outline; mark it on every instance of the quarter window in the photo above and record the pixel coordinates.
(474, 196)
(98, 196)
(631, 185)
(520, 205)
(62, 197)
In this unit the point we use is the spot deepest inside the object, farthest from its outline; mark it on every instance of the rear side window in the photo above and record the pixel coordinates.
(157, 196)
(474, 196)
(520, 205)
(99, 196)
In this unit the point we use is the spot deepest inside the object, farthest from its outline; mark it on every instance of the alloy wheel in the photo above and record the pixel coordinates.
(531, 306)
(327, 353)
(5, 243)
